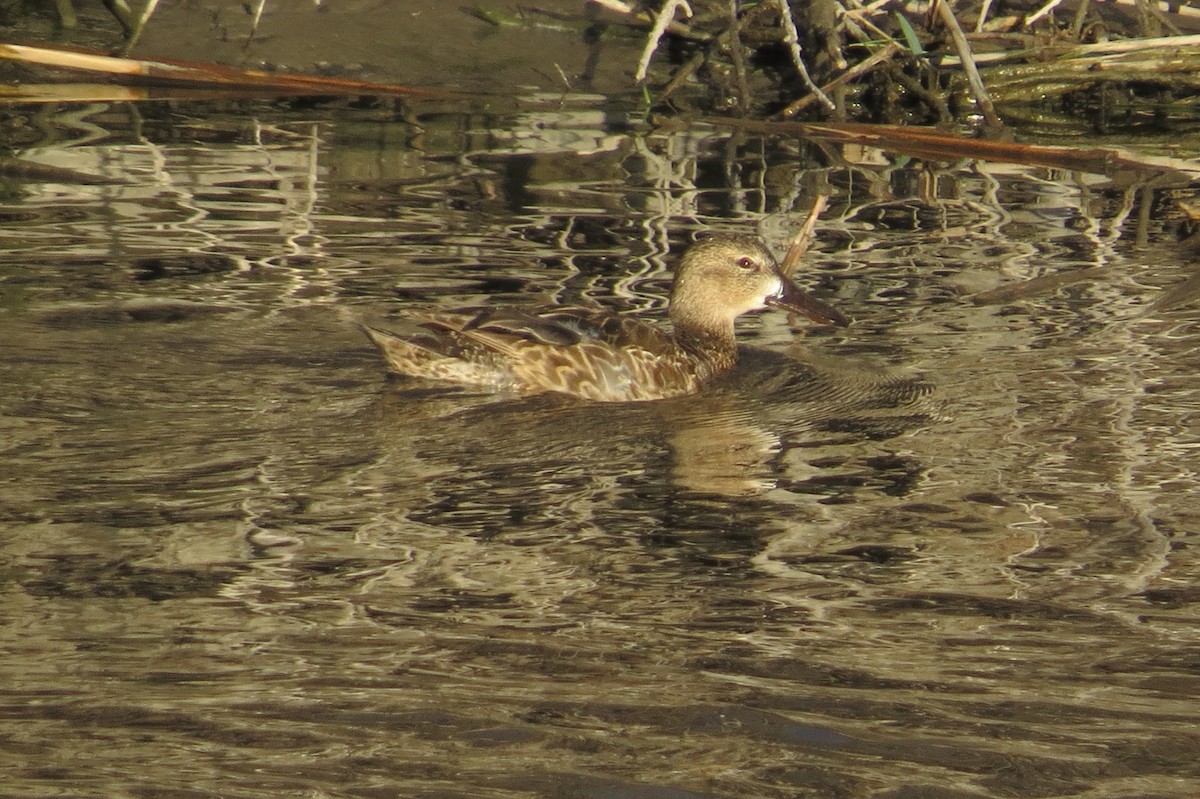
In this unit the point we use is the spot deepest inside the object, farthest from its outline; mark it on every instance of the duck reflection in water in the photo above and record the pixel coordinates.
(596, 355)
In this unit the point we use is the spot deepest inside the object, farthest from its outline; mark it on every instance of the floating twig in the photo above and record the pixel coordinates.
(1034, 287)
(1186, 293)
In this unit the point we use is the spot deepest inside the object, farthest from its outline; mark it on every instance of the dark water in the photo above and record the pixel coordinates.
(947, 552)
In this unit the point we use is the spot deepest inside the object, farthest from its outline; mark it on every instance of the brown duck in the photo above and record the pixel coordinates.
(597, 355)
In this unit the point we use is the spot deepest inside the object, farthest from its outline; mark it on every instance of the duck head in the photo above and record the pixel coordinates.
(724, 276)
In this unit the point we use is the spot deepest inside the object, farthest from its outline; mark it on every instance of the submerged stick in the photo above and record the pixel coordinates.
(934, 144)
(1039, 285)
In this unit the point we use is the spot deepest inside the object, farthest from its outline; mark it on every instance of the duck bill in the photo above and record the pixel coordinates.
(792, 298)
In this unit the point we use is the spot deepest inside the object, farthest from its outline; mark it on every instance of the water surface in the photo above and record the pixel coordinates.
(946, 552)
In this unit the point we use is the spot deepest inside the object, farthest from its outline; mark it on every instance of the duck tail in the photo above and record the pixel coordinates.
(433, 359)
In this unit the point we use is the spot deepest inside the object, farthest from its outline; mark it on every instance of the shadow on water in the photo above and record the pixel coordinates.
(945, 552)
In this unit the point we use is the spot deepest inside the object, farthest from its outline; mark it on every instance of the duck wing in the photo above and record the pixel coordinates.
(584, 352)
(503, 329)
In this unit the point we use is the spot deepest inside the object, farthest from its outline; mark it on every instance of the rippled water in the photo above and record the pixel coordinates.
(947, 552)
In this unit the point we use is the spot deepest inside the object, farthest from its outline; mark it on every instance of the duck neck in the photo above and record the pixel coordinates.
(709, 340)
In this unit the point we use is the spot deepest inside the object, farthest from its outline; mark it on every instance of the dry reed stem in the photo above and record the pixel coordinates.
(739, 61)
(968, 62)
(211, 76)
(804, 236)
(615, 5)
(877, 58)
(1043, 11)
(661, 21)
(791, 37)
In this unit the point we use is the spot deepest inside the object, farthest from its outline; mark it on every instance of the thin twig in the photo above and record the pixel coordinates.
(873, 29)
(1131, 45)
(681, 75)
(860, 68)
(1163, 19)
(791, 38)
(615, 5)
(968, 62)
(640, 17)
(874, 7)
(983, 15)
(1080, 17)
(124, 14)
(739, 60)
(66, 14)
(563, 76)
(1045, 56)
(1043, 11)
(138, 26)
(656, 33)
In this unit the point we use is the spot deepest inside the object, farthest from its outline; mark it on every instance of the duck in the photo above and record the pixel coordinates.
(597, 355)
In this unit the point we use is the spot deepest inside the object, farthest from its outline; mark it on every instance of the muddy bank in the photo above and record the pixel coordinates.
(1104, 68)
(423, 42)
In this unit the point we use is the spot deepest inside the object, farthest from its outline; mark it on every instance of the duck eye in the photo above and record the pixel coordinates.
(747, 263)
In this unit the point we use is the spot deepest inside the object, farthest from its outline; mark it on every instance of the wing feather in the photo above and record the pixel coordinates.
(586, 352)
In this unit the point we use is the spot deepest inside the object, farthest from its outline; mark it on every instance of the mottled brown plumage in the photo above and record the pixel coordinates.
(600, 356)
